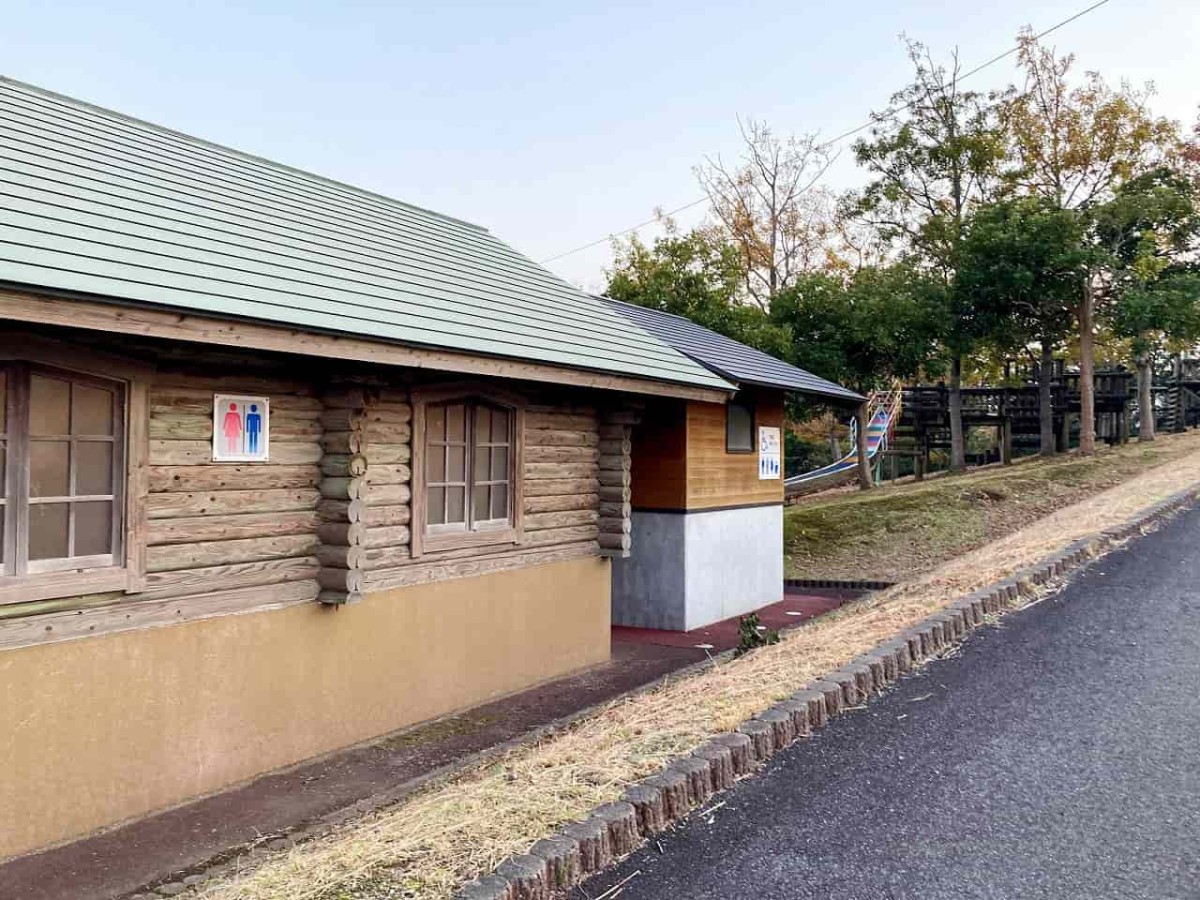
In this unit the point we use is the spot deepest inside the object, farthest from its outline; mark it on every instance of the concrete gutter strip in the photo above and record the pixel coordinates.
(582, 849)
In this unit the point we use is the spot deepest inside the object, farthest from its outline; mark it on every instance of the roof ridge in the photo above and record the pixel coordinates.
(243, 154)
(660, 312)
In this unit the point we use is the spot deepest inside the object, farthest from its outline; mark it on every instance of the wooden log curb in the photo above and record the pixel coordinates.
(582, 849)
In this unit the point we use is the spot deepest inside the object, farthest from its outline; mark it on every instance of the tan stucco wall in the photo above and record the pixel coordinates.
(107, 728)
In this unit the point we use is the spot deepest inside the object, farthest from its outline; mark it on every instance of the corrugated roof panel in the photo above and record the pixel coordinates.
(95, 202)
(729, 358)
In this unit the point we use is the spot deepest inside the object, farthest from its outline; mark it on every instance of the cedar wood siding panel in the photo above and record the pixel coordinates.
(659, 471)
(716, 478)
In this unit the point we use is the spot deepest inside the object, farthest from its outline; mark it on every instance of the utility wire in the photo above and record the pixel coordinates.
(836, 139)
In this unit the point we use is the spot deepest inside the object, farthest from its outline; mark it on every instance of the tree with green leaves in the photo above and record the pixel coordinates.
(1074, 145)
(934, 155)
(1149, 233)
(879, 324)
(694, 275)
(1020, 262)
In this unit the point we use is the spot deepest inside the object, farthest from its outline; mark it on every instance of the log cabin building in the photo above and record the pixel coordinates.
(287, 466)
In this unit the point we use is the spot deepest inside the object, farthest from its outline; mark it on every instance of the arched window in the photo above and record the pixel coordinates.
(466, 473)
(62, 448)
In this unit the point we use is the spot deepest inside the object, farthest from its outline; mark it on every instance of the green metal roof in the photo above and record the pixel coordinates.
(95, 202)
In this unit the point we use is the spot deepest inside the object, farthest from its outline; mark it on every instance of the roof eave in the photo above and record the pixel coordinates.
(36, 305)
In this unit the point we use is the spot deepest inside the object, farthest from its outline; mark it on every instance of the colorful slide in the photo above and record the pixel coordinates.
(886, 411)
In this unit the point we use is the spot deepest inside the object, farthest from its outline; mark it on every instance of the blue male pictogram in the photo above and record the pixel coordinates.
(253, 428)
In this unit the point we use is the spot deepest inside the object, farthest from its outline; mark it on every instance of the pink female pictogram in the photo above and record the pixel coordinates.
(232, 428)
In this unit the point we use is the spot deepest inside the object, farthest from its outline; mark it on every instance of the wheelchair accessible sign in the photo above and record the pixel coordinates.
(770, 460)
(241, 428)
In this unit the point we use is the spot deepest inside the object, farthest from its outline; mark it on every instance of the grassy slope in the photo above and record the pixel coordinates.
(894, 533)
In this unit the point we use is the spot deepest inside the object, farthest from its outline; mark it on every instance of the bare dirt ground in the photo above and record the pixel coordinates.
(429, 844)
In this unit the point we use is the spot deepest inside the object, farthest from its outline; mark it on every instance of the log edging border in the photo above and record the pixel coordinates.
(613, 830)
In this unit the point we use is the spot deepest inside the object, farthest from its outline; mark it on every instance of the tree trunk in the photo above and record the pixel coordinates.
(1145, 383)
(1087, 370)
(1046, 400)
(861, 415)
(958, 449)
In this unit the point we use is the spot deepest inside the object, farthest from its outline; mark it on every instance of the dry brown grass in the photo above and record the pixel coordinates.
(426, 846)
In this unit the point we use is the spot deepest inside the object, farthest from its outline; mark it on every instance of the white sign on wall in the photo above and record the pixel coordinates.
(241, 428)
(770, 459)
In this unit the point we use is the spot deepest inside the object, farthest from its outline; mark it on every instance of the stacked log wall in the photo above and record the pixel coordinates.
(329, 514)
(615, 510)
(233, 529)
(559, 505)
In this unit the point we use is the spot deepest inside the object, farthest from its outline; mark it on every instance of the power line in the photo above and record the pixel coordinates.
(834, 140)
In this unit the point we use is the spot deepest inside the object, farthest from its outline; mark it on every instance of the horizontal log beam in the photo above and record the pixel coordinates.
(231, 477)
(212, 553)
(561, 454)
(186, 582)
(556, 487)
(180, 453)
(175, 504)
(567, 518)
(562, 502)
(221, 528)
(553, 438)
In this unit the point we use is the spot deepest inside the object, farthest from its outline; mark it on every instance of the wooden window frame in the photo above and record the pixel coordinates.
(124, 569)
(423, 541)
(748, 402)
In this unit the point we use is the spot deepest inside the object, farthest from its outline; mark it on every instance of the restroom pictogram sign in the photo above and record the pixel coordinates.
(241, 428)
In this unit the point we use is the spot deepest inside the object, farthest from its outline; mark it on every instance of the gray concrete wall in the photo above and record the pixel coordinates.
(734, 563)
(687, 570)
(648, 587)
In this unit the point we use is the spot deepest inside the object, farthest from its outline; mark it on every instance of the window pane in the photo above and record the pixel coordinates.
(500, 501)
(480, 507)
(435, 463)
(49, 406)
(739, 426)
(91, 410)
(48, 468)
(435, 423)
(93, 467)
(436, 514)
(3, 513)
(456, 423)
(93, 528)
(480, 466)
(47, 530)
(456, 504)
(483, 423)
(456, 466)
(3, 400)
(500, 464)
(499, 427)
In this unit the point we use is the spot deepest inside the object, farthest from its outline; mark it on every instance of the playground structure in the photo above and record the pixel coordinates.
(1177, 396)
(1014, 413)
(884, 408)
(913, 422)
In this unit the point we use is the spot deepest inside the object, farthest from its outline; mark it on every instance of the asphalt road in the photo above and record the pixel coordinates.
(1056, 756)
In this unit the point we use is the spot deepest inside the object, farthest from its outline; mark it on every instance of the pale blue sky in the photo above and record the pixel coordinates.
(551, 124)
